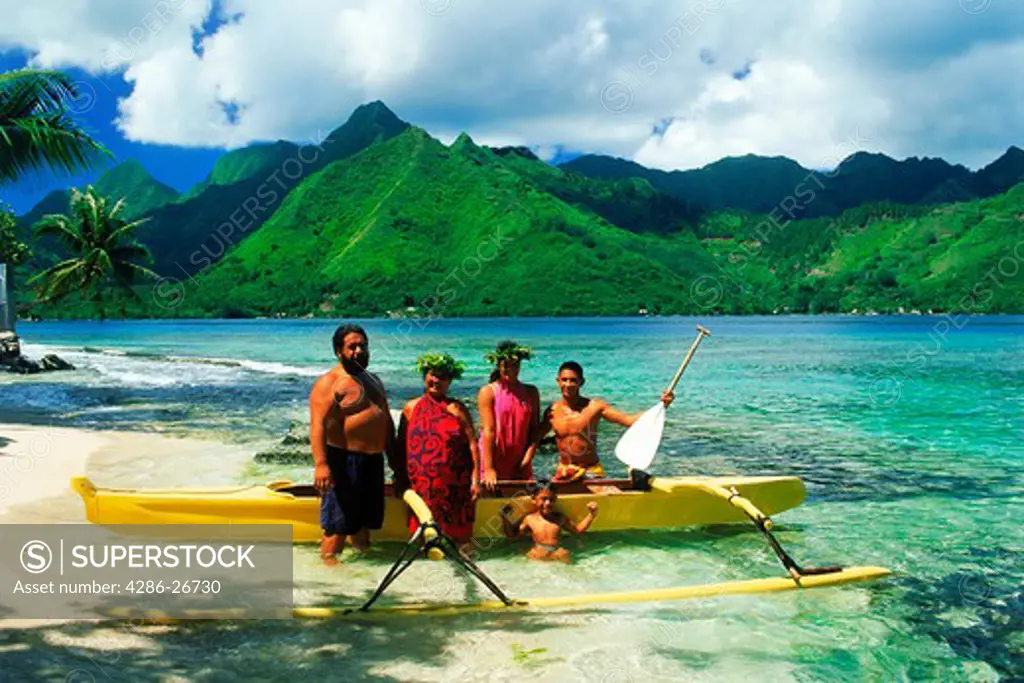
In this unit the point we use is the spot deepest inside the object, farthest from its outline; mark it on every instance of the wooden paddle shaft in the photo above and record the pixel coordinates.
(701, 333)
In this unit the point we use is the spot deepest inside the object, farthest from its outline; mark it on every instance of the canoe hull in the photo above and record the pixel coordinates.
(674, 502)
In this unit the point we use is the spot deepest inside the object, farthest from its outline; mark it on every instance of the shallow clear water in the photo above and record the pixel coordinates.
(907, 430)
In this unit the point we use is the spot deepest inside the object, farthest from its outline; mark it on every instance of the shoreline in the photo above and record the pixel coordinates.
(39, 455)
(711, 314)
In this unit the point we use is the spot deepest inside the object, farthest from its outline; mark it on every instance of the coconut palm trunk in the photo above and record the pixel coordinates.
(7, 315)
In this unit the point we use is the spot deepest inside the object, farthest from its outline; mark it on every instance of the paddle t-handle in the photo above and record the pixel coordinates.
(701, 333)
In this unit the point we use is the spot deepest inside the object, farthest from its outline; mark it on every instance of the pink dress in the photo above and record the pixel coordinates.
(513, 418)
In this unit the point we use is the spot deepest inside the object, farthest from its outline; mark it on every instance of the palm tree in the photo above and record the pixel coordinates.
(103, 249)
(36, 131)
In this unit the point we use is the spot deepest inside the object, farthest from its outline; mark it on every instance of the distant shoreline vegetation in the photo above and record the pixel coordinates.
(424, 321)
(380, 220)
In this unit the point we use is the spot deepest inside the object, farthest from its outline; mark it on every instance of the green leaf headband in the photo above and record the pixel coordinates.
(509, 350)
(441, 364)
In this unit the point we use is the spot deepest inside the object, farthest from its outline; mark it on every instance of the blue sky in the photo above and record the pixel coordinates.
(96, 110)
(667, 83)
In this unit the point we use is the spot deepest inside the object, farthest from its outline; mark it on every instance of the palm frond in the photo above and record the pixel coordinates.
(127, 274)
(36, 131)
(116, 209)
(130, 252)
(60, 280)
(43, 88)
(124, 231)
(134, 271)
(59, 226)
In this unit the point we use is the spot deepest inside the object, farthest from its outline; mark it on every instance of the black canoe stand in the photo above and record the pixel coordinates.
(420, 545)
(764, 525)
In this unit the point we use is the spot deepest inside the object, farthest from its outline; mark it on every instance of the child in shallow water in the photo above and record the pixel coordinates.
(545, 526)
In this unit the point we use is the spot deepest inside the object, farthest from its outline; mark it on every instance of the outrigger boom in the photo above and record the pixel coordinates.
(764, 525)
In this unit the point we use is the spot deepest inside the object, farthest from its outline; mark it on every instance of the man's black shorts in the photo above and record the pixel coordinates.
(357, 499)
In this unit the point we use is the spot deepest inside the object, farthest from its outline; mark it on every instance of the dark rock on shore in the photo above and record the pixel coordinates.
(52, 361)
(10, 347)
(21, 366)
(11, 359)
(292, 449)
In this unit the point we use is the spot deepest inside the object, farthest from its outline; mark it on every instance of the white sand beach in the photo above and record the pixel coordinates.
(38, 459)
(36, 462)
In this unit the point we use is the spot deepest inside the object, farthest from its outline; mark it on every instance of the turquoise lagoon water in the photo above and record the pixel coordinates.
(907, 430)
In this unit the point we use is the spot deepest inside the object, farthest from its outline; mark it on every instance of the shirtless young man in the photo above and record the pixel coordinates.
(546, 526)
(575, 419)
(350, 428)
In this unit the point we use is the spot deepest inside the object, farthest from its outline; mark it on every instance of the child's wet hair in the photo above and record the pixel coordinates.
(542, 486)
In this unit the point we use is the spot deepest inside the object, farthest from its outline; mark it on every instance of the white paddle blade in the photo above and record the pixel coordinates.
(639, 444)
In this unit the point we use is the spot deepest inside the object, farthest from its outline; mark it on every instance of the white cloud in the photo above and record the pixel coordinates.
(781, 108)
(98, 35)
(922, 77)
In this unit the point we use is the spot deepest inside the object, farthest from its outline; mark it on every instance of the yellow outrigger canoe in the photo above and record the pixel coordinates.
(671, 502)
(429, 538)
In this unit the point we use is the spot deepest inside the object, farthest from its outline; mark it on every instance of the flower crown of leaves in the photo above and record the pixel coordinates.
(509, 350)
(440, 363)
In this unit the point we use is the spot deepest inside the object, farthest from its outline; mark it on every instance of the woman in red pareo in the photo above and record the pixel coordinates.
(441, 450)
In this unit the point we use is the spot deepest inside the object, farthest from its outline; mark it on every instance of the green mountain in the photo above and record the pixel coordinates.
(881, 257)
(467, 230)
(129, 179)
(53, 202)
(749, 183)
(189, 235)
(630, 203)
(760, 184)
(409, 222)
(245, 163)
(142, 193)
(1001, 174)
(864, 178)
(382, 219)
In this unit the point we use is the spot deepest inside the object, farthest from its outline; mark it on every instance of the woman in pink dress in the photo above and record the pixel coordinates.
(509, 414)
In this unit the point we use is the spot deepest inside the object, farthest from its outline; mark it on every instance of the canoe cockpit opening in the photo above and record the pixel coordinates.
(297, 490)
(506, 489)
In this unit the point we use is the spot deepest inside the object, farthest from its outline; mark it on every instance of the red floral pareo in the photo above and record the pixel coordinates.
(441, 467)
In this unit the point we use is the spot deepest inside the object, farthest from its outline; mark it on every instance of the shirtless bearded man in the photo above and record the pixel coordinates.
(350, 429)
(574, 420)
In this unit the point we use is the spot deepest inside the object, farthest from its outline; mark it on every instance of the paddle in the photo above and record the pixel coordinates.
(639, 444)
